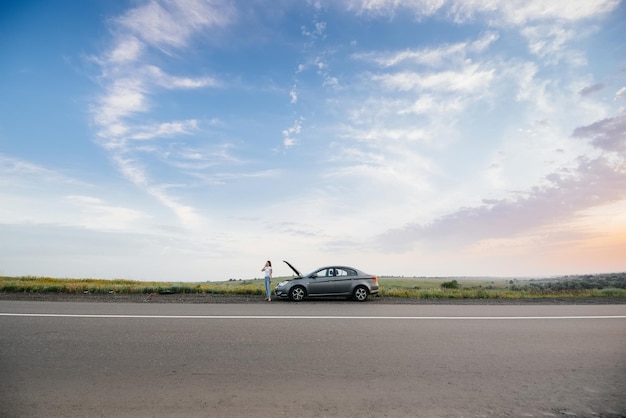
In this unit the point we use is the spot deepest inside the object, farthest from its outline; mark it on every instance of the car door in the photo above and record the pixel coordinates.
(343, 280)
(321, 281)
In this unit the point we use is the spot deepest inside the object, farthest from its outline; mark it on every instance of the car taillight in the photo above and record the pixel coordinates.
(375, 279)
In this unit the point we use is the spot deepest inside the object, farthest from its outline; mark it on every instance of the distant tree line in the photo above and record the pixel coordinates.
(595, 281)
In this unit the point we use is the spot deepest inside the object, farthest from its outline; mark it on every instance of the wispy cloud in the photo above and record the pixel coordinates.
(471, 78)
(548, 28)
(595, 183)
(431, 57)
(123, 98)
(166, 129)
(128, 49)
(502, 12)
(165, 24)
(14, 170)
(294, 95)
(521, 12)
(589, 90)
(161, 78)
(608, 134)
(592, 183)
(131, 80)
(189, 216)
(290, 134)
(97, 214)
(131, 170)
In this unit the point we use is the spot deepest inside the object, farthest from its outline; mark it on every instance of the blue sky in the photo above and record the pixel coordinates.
(192, 140)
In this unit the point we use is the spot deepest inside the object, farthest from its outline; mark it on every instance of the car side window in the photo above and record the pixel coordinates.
(350, 272)
(342, 272)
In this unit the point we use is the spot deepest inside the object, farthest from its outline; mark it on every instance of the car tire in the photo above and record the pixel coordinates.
(360, 294)
(297, 293)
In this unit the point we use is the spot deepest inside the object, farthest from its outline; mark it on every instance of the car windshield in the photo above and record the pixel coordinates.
(316, 272)
(323, 272)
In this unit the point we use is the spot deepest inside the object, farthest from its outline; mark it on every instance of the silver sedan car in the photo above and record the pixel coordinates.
(328, 281)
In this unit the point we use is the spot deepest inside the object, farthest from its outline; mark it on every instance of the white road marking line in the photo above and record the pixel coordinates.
(471, 318)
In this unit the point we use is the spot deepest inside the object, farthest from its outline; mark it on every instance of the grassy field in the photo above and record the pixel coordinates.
(431, 288)
(604, 286)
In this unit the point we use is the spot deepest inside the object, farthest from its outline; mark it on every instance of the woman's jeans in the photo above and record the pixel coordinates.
(268, 289)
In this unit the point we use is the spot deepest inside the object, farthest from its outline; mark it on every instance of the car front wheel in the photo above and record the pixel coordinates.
(297, 294)
(360, 294)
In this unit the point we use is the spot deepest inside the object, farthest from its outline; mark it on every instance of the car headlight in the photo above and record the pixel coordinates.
(281, 284)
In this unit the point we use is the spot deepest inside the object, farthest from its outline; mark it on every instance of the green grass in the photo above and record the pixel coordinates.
(31, 284)
(419, 288)
(476, 288)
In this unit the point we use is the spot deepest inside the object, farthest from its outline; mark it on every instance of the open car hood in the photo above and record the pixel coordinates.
(295, 270)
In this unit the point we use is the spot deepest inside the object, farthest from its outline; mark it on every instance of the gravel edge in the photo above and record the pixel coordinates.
(187, 298)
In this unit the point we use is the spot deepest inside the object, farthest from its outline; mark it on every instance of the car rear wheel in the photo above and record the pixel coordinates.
(360, 293)
(297, 293)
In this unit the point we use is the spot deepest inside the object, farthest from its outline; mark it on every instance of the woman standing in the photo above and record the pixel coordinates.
(268, 277)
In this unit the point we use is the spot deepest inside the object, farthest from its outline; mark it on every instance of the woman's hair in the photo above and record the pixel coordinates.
(269, 263)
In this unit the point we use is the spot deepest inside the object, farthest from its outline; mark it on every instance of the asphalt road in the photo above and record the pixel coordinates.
(319, 359)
